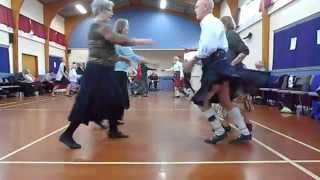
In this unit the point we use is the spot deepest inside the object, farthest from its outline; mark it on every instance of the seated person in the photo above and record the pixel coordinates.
(73, 86)
(48, 82)
(153, 80)
(62, 80)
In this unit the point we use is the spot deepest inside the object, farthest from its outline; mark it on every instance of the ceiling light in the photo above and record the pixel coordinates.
(81, 9)
(163, 4)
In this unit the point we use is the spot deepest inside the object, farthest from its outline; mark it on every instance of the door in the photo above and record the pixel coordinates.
(30, 62)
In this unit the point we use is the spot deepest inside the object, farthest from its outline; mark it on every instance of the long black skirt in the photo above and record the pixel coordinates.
(100, 96)
(216, 69)
(122, 78)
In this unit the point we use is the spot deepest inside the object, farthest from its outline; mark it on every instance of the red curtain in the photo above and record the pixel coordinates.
(24, 24)
(57, 37)
(52, 35)
(38, 29)
(6, 16)
(61, 39)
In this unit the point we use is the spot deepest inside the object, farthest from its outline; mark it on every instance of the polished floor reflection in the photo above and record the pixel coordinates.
(166, 142)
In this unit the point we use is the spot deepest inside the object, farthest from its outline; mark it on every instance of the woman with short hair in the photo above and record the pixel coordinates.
(100, 95)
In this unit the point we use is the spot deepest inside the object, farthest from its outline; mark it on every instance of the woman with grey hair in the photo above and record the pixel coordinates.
(100, 95)
(121, 67)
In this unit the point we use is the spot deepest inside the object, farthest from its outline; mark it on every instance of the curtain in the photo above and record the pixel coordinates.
(6, 16)
(24, 24)
(57, 37)
(38, 29)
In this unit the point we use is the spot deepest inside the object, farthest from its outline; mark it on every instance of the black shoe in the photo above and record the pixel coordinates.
(241, 139)
(117, 135)
(249, 126)
(215, 139)
(69, 141)
(120, 123)
(227, 128)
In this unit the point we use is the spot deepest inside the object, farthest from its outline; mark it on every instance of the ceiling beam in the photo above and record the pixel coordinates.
(16, 7)
(234, 8)
(265, 35)
(217, 10)
(50, 11)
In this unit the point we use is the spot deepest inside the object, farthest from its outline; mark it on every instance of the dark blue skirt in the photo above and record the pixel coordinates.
(100, 96)
(122, 78)
(216, 69)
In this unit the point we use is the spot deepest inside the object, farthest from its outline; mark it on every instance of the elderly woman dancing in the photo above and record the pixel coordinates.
(100, 94)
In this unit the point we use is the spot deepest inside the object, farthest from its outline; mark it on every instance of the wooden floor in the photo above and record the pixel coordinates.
(166, 142)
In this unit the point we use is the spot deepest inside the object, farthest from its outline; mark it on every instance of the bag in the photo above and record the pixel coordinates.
(302, 84)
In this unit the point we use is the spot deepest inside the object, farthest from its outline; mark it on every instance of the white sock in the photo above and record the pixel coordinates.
(217, 127)
(176, 93)
(216, 124)
(238, 119)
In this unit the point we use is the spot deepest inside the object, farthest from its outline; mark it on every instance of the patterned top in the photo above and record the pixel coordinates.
(101, 51)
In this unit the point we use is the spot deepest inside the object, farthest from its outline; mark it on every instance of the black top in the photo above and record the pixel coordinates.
(236, 45)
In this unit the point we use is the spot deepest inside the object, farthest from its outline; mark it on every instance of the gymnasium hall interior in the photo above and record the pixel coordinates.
(50, 75)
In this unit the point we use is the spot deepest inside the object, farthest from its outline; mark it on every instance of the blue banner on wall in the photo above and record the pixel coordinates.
(306, 52)
(54, 63)
(4, 60)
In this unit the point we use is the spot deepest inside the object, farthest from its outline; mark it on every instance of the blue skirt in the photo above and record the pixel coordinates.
(100, 96)
(216, 69)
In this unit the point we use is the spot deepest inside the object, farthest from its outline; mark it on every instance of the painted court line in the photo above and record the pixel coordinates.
(285, 158)
(156, 163)
(32, 143)
(286, 136)
(40, 109)
(295, 164)
(20, 104)
(144, 163)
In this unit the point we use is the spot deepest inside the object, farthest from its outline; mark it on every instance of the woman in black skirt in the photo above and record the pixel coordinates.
(100, 95)
(237, 52)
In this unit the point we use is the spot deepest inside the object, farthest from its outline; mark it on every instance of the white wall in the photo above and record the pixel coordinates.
(35, 48)
(78, 55)
(56, 51)
(6, 3)
(58, 24)
(225, 9)
(33, 9)
(163, 58)
(254, 44)
(293, 12)
(28, 44)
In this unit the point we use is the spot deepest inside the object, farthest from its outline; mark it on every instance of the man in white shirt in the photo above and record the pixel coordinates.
(177, 68)
(217, 74)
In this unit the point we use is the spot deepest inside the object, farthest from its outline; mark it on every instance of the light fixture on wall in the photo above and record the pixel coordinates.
(81, 9)
(163, 4)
